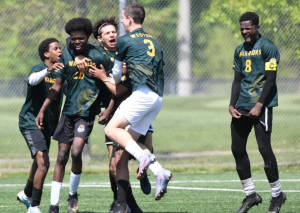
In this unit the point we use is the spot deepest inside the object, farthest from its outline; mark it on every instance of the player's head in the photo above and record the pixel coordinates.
(49, 49)
(249, 24)
(105, 31)
(80, 30)
(133, 14)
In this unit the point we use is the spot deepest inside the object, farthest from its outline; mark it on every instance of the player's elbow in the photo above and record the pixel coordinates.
(32, 82)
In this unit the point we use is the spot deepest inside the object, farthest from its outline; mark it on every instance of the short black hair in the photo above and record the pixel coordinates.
(102, 23)
(79, 24)
(136, 12)
(44, 47)
(250, 16)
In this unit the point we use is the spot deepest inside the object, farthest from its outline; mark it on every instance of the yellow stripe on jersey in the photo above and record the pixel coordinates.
(271, 66)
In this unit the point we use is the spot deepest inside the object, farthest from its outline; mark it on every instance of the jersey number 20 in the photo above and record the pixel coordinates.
(151, 53)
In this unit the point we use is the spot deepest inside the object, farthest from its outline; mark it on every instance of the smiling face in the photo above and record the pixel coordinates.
(54, 52)
(79, 40)
(249, 31)
(108, 36)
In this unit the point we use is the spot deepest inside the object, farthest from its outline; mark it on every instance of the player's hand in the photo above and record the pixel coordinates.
(234, 113)
(124, 68)
(98, 73)
(104, 117)
(255, 111)
(39, 120)
(81, 63)
(55, 66)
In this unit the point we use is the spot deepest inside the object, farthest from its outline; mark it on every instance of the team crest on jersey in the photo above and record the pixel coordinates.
(81, 128)
(112, 59)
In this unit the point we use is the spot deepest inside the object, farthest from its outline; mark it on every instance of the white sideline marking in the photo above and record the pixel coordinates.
(169, 187)
(107, 185)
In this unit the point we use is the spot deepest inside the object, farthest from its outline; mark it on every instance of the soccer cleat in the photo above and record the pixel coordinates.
(144, 164)
(162, 181)
(145, 183)
(249, 202)
(137, 209)
(24, 199)
(73, 203)
(53, 209)
(35, 209)
(112, 205)
(121, 208)
(276, 203)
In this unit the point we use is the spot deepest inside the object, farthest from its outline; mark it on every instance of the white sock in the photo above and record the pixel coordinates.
(275, 188)
(74, 183)
(155, 168)
(248, 186)
(134, 149)
(55, 192)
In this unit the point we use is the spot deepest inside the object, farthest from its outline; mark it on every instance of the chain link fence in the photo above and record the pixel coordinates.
(198, 39)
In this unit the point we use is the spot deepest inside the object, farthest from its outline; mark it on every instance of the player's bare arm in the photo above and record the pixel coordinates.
(105, 115)
(51, 96)
(117, 90)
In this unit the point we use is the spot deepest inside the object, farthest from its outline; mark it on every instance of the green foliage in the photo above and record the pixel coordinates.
(279, 21)
(214, 30)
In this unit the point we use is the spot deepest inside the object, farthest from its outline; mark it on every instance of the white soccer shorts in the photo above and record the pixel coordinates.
(140, 109)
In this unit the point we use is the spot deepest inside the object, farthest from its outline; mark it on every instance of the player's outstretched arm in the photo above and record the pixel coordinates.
(51, 96)
(36, 77)
(235, 91)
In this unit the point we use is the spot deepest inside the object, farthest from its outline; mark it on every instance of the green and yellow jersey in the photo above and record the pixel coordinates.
(35, 98)
(144, 59)
(82, 93)
(253, 60)
(105, 94)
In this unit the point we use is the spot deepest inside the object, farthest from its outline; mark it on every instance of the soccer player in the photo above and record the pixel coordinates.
(105, 31)
(144, 61)
(81, 106)
(253, 96)
(40, 82)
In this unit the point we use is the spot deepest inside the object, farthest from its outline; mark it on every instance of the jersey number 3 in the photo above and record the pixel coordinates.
(151, 53)
(248, 65)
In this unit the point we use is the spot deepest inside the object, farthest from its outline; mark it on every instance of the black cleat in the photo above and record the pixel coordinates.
(112, 205)
(73, 203)
(53, 209)
(121, 208)
(276, 203)
(249, 202)
(145, 183)
(136, 210)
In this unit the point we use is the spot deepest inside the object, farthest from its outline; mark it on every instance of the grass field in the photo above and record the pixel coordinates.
(197, 127)
(187, 192)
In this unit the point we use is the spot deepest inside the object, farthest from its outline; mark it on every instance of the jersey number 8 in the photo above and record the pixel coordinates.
(248, 65)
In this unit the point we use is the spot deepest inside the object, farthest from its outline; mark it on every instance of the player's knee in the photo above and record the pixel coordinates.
(238, 153)
(62, 158)
(108, 131)
(76, 155)
(113, 170)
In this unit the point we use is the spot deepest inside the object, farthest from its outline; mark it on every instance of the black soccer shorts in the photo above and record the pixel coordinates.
(36, 141)
(70, 127)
